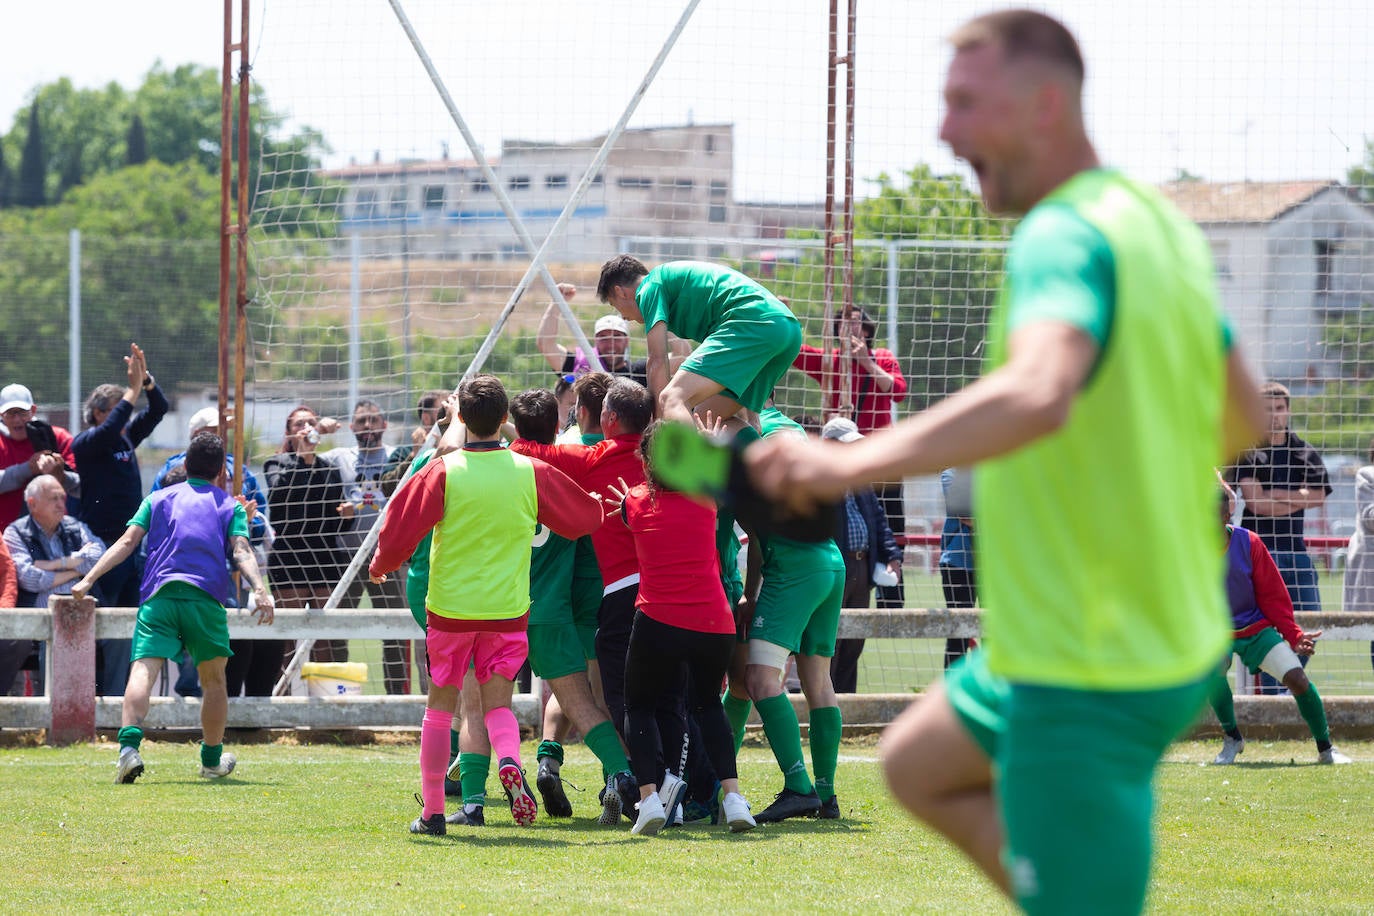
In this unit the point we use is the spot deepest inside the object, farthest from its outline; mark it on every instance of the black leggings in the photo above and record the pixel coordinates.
(656, 670)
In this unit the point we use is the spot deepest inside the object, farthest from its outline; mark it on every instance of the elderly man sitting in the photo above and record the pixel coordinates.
(51, 550)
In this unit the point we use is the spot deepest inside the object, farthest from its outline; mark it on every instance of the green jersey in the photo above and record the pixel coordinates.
(784, 553)
(1097, 559)
(695, 298)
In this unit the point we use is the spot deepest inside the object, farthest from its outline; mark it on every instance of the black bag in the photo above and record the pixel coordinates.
(41, 435)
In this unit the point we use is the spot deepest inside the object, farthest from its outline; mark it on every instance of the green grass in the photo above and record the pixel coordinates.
(323, 828)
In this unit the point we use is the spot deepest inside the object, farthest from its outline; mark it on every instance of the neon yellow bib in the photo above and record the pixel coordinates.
(1097, 558)
(479, 565)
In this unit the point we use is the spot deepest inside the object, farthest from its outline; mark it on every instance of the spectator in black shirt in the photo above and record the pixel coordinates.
(1280, 481)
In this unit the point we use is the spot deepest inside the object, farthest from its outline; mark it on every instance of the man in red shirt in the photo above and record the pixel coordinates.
(875, 378)
(21, 459)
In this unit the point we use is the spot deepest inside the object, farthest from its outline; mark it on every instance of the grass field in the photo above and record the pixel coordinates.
(322, 828)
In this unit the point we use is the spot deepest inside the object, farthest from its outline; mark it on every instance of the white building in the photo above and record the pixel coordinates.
(673, 185)
(1288, 254)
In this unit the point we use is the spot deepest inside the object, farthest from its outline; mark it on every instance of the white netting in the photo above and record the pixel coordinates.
(381, 268)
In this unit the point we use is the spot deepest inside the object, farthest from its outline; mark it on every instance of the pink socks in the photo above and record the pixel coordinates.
(434, 747)
(504, 733)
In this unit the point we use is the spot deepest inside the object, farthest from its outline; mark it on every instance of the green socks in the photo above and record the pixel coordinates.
(473, 770)
(737, 712)
(209, 754)
(826, 728)
(1219, 697)
(1314, 714)
(550, 749)
(784, 735)
(604, 742)
(130, 736)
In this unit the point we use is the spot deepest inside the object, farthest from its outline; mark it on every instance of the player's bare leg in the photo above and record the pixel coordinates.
(938, 773)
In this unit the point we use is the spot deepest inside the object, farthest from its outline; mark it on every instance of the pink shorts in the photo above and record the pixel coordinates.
(489, 652)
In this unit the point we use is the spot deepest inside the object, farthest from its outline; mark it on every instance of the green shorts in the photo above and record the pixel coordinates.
(560, 649)
(181, 616)
(1253, 649)
(1074, 782)
(799, 605)
(417, 587)
(748, 354)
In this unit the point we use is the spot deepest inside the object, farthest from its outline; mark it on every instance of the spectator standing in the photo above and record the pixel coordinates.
(22, 458)
(866, 542)
(957, 578)
(611, 337)
(361, 466)
(304, 491)
(876, 384)
(428, 408)
(1280, 481)
(107, 460)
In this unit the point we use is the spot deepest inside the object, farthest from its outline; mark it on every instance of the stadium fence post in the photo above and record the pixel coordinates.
(72, 661)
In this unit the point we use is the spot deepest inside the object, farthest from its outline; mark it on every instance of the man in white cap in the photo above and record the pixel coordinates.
(23, 458)
(611, 335)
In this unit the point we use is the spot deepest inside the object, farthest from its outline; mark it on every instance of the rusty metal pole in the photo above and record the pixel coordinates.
(848, 160)
(830, 361)
(225, 164)
(241, 263)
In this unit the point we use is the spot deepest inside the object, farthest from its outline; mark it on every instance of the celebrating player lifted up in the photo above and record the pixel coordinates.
(746, 337)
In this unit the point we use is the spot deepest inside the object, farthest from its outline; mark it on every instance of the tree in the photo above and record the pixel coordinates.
(6, 179)
(1361, 177)
(32, 166)
(945, 289)
(90, 132)
(135, 143)
(149, 273)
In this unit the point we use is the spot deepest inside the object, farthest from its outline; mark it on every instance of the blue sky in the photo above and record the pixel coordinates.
(1260, 90)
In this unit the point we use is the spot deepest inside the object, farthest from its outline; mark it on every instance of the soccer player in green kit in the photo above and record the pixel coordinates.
(1111, 381)
(562, 629)
(747, 338)
(797, 611)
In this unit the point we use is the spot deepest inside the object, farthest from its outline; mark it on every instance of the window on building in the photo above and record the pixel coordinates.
(555, 181)
(710, 144)
(479, 186)
(518, 183)
(681, 184)
(715, 252)
(631, 182)
(719, 188)
(365, 205)
(1325, 249)
(1221, 258)
(716, 214)
(598, 179)
(398, 201)
(434, 197)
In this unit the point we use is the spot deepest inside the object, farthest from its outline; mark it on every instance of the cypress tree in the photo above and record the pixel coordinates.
(33, 166)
